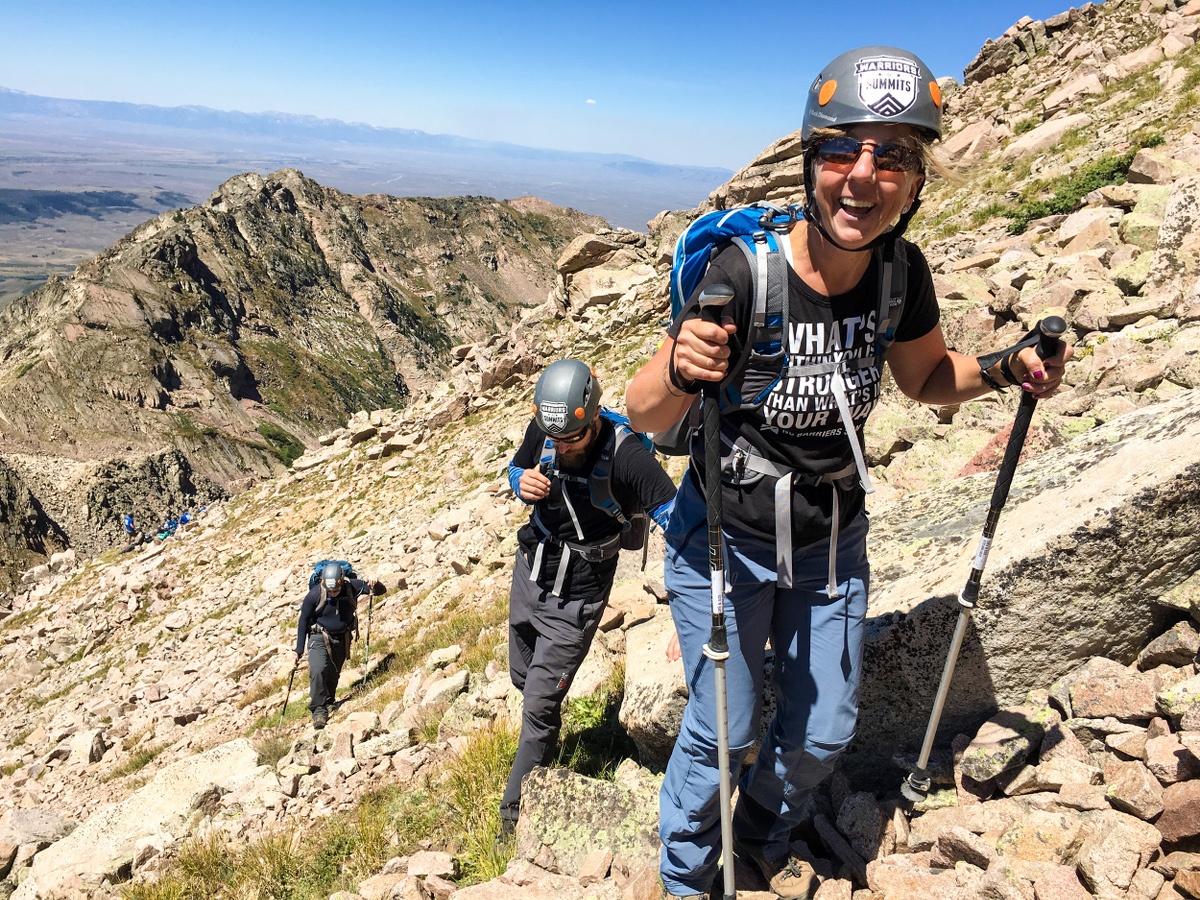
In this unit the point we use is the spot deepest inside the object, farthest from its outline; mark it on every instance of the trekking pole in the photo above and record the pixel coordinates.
(712, 300)
(916, 786)
(370, 606)
(288, 695)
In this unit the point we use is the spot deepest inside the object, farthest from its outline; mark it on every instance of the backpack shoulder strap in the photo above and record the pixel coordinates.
(768, 261)
(322, 603)
(893, 285)
(600, 481)
(549, 456)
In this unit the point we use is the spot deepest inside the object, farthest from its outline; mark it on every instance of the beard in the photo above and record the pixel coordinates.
(574, 455)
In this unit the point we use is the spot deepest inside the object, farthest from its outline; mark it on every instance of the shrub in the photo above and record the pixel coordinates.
(1108, 169)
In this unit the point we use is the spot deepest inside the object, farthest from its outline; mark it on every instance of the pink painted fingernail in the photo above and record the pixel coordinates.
(1039, 375)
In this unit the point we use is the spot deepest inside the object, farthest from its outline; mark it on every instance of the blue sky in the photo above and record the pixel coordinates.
(701, 82)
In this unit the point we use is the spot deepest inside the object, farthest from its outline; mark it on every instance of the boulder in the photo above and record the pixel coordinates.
(1093, 531)
(105, 844)
(572, 816)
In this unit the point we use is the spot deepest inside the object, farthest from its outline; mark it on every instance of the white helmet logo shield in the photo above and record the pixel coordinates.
(553, 416)
(887, 85)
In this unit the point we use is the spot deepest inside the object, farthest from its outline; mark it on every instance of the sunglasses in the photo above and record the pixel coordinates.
(845, 151)
(570, 438)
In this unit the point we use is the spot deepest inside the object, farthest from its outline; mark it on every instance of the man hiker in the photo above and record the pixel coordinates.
(133, 537)
(586, 477)
(328, 622)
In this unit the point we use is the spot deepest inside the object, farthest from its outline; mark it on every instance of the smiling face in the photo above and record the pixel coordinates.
(858, 201)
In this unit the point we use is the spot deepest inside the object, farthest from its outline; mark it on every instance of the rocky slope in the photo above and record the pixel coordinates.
(139, 680)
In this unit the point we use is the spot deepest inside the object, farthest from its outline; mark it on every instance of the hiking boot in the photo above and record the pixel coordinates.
(687, 896)
(320, 718)
(790, 877)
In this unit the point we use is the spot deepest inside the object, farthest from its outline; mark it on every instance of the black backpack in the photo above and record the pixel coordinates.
(635, 522)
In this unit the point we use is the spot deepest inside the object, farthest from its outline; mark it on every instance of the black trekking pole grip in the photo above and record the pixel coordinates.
(1051, 330)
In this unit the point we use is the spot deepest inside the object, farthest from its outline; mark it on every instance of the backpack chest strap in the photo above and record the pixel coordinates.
(746, 465)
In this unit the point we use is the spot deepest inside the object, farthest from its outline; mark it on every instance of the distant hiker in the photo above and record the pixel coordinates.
(168, 528)
(794, 480)
(328, 623)
(133, 537)
(583, 473)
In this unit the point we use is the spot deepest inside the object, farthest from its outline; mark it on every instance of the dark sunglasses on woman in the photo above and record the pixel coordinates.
(845, 151)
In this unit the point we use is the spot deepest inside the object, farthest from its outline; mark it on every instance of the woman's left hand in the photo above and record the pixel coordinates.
(1041, 377)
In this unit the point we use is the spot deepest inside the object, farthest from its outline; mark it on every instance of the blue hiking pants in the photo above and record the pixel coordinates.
(817, 643)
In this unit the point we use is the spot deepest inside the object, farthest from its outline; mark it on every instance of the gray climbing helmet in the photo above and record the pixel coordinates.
(874, 84)
(566, 398)
(332, 576)
(870, 84)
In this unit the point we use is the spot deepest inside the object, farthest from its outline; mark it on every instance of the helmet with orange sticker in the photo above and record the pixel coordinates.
(874, 84)
(566, 398)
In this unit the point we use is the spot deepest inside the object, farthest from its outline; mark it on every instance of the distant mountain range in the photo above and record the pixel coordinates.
(63, 144)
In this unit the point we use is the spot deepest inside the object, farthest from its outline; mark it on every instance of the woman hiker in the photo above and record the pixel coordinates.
(793, 463)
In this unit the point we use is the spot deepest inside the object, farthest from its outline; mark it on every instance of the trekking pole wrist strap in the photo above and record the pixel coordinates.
(990, 380)
(688, 387)
(1004, 358)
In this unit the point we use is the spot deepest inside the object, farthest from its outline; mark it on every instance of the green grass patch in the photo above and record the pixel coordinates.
(593, 741)
(21, 619)
(297, 710)
(272, 748)
(285, 445)
(137, 760)
(188, 427)
(1067, 193)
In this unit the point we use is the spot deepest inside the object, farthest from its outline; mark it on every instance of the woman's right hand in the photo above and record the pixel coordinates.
(702, 349)
(533, 485)
(673, 651)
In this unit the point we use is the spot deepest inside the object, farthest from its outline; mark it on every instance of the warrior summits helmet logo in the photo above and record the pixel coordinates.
(887, 85)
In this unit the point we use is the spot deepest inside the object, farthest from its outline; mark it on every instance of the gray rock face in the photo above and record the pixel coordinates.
(105, 844)
(1092, 534)
(27, 535)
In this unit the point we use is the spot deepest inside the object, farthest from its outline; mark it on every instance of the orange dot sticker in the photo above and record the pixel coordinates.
(535, 409)
(579, 412)
(936, 93)
(827, 91)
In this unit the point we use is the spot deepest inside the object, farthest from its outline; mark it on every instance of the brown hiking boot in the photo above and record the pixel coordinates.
(790, 877)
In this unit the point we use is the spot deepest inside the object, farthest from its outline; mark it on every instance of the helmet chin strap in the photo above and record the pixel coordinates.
(812, 215)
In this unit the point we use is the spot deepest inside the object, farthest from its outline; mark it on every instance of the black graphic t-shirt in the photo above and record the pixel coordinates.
(797, 424)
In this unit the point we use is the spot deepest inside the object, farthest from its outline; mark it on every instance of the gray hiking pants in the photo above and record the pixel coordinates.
(325, 667)
(548, 638)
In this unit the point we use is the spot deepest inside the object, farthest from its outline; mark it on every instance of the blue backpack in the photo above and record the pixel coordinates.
(760, 232)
